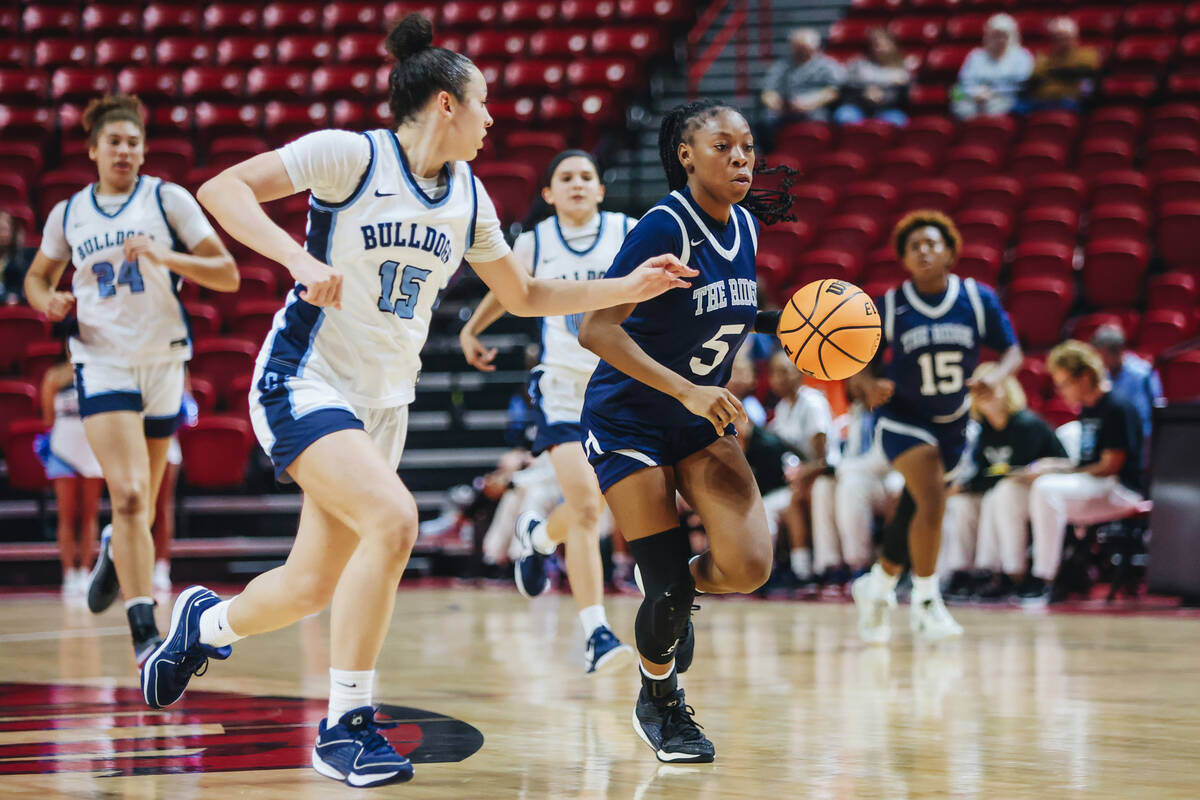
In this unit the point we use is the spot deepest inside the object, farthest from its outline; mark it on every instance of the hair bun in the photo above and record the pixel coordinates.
(410, 36)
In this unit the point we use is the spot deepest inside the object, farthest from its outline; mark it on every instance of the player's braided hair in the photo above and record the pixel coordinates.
(769, 205)
(421, 70)
(112, 108)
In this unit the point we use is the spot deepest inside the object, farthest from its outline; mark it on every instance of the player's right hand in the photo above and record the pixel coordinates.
(477, 355)
(716, 404)
(657, 275)
(878, 391)
(59, 305)
(322, 283)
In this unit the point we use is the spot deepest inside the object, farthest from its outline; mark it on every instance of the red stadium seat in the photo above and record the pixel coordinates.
(22, 159)
(1058, 412)
(150, 84)
(1177, 227)
(1143, 54)
(968, 162)
(916, 31)
(18, 400)
(52, 53)
(361, 48)
(115, 52)
(306, 51)
(13, 189)
(69, 84)
(999, 192)
(979, 262)
(277, 83)
(15, 53)
(251, 319)
(25, 470)
(19, 325)
(1177, 291)
(512, 113)
(902, 165)
(654, 10)
(819, 264)
(1114, 221)
(42, 20)
(940, 194)
(875, 199)
(205, 319)
(835, 168)
(183, 51)
(928, 99)
(399, 9)
(169, 158)
(100, 20)
(1188, 55)
(992, 131)
(1037, 158)
(283, 122)
(943, 63)
(805, 139)
(1161, 329)
(601, 73)
(535, 148)
(244, 51)
(1083, 328)
(469, 15)
(1181, 377)
(1037, 307)
(1057, 189)
(1181, 184)
(38, 356)
(1119, 186)
(213, 83)
(874, 8)
(159, 19)
(1043, 259)
(534, 75)
(966, 28)
(1097, 23)
(785, 239)
(222, 360)
(1056, 127)
(230, 18)
(851, 233)
(1129, 88)
(290, 17)
(22, 87)
(1152, 17)
(1115, 122)
(1113, 272)
(812, 202)
(216, 452)
(60, 184)
(511, 185)
(882, 265)
(985, 226)
(495, 44)
(529, 13)
(1169, 152)
(849, 34)
(1104, 155)
(1184, 86)
(932, 134)
(202, 391)
(1049, 224)
(1176, 119)
(867, 137)
(217, 120)
(341, 18)
(345, 81)
(1035, 380)
(641, 42)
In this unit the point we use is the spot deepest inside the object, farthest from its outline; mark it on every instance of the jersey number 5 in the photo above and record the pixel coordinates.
(720, 349)
(410, 287)
(941, 373)
(129, 275)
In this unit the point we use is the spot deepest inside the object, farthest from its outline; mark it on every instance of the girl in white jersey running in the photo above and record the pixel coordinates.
(131, 238)
(577, 241)
(392, 214)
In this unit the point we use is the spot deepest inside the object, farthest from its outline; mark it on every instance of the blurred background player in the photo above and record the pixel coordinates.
(578, 240)
(934, 325)
(130, 237)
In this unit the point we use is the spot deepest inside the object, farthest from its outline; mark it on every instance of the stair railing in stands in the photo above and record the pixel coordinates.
(700, 64)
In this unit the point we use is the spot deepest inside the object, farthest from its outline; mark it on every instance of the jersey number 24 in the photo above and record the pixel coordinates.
(128, 275)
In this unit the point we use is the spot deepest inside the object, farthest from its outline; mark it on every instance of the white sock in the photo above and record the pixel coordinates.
(690, 560)
(348, 690)
(654, 677)
(883, 582)
(214, 625)
(591, 618)
(801, 562)
(924, 589)
(541, 539)
(137, 601)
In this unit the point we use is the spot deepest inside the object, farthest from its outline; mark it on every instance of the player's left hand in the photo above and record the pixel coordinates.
(143, 245)
(657, 275)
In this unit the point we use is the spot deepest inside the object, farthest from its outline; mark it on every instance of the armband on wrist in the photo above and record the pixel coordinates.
(767, 322)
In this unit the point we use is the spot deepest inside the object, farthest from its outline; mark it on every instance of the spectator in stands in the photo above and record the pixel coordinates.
(14, 260)
(742, 383)
(804, 421)
(986, 522)
(1107, 483)
(992, 76)
(876, 84)
(801, 87)
(1064, 75)
(1133, 378)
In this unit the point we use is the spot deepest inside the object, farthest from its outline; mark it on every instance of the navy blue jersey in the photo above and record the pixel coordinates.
(935, 343)
(694, 332)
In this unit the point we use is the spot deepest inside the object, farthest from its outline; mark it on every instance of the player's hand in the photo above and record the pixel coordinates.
(655, 276)
(143, 245)
(986, 386)
(59, 305)
(477, 355)
(877, 391)
(322, 283)
(716, 404)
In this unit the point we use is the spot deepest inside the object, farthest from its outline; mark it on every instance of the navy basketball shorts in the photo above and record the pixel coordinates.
(618, 448)
(898, 433)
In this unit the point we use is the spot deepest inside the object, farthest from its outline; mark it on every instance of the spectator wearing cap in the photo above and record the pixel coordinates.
(1064, 75)
(992, 76)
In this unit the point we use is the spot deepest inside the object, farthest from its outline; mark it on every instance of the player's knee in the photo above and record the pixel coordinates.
(750, 571)
(586, 515)
(128, 499)
(392, 527)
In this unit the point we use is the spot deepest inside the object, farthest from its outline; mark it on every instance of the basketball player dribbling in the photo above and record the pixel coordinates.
(935, 325)
(577, 241)
(657, 418)
(393, 212)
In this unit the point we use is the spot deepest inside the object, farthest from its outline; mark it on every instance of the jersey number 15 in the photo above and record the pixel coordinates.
(941, 372)
(410, 288)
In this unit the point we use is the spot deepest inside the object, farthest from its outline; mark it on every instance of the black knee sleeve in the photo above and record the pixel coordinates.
(895, 532)
(663, 616)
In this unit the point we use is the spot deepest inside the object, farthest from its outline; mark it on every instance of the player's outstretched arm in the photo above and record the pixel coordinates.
(478, 356)
(233, 198)
(526, 296)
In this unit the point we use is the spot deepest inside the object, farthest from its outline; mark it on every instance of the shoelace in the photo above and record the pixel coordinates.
(679, 722)
(194, 665)
(373, 741)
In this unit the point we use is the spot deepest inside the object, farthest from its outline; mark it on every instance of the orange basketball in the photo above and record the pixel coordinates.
(830, 329)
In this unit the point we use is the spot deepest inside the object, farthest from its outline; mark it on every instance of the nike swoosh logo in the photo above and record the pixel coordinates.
(698, 242)
(347, 685)
(385, 194)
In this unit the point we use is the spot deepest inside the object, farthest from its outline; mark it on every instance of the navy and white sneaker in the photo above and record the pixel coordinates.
(103, 586)
(354, 751)
(671, 731)
(166, 673)
(604, 650)
(530, 569)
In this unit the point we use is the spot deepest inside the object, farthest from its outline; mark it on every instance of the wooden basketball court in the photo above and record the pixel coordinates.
(495, 704)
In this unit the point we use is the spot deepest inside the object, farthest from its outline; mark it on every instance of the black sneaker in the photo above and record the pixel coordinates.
(1033, 591)
(667, 726)
(103, 586)
(1001, 587)
(961, 586)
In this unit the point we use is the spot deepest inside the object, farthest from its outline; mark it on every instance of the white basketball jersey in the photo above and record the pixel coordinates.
(129, 313)
(553, 257)
(396, 249)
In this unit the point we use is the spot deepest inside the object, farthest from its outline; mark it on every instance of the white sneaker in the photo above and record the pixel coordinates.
(162, 577)
(931, 621)
(874, 625)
